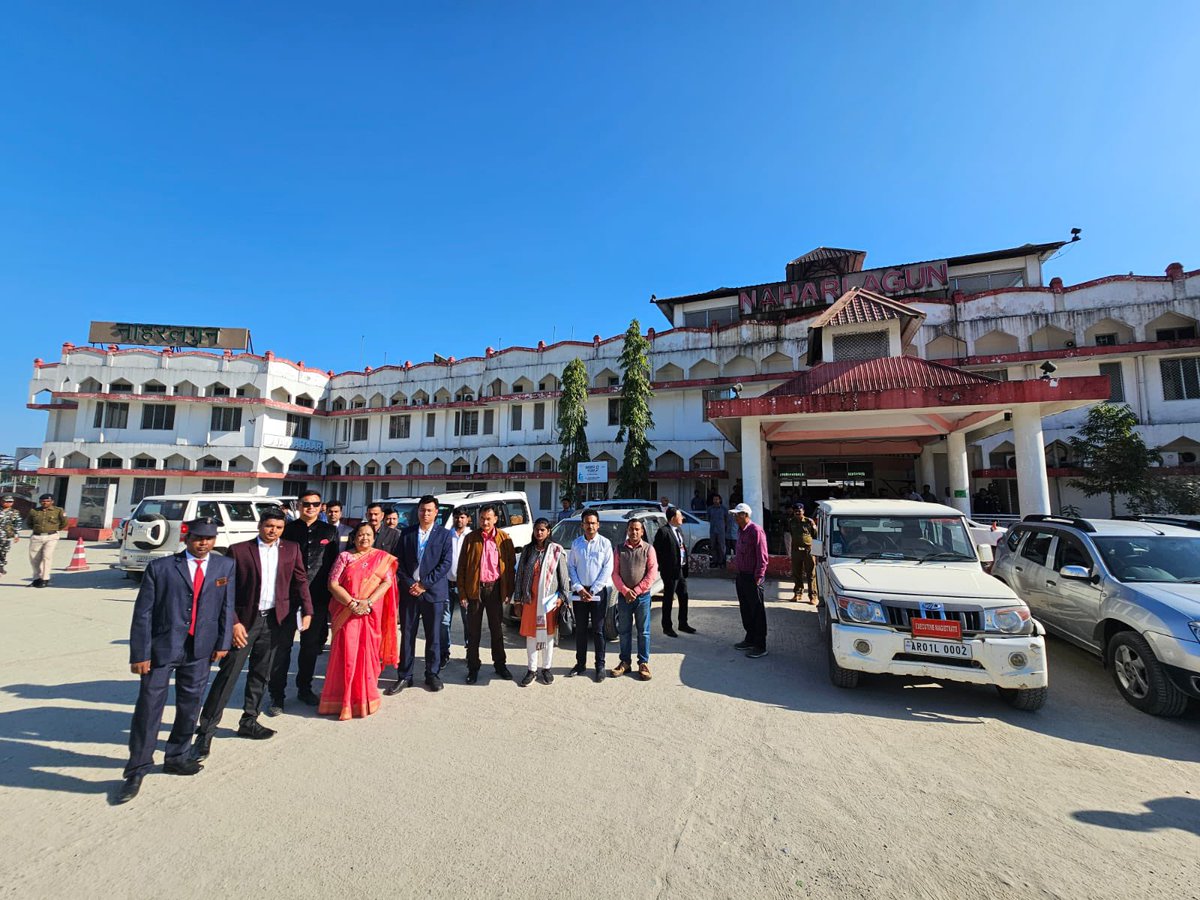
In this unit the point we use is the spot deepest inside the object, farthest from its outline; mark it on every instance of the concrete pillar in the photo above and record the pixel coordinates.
(925, 469)
(752, 466)
(956, 451)
(1033, 488)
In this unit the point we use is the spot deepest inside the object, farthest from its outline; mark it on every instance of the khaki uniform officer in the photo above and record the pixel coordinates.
(45, 522)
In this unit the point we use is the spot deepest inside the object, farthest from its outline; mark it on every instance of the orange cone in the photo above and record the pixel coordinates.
(79, 559)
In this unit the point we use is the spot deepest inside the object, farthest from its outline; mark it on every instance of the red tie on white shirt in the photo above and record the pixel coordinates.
(197, 584)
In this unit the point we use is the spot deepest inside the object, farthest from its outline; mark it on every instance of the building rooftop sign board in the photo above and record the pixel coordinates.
(196, 336)
(917, 278)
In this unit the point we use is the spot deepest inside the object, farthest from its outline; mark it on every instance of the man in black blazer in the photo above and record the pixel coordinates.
(271, 582)
(386, 537)
(425, 553)
(182, 620)
(670, 546)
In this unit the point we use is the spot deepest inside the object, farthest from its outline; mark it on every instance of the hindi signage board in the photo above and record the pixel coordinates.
(918, 278)
(591, 472)
(143, 335)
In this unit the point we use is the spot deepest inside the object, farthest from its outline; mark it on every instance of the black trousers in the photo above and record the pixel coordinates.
(430, 614)
(312, 642)
(260, 641)
(492, 603)
(190, 677)
(674, 588)
(589, 622)
(753, 609)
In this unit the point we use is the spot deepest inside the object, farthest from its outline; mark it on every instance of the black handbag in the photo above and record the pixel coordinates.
(566, 619)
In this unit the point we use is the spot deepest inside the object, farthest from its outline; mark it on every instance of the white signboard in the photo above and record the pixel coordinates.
(592, 472)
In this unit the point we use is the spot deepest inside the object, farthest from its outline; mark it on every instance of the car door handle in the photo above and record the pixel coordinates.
(1051, 583)
(1018, 568)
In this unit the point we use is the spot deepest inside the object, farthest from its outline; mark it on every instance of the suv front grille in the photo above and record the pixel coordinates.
(900, 617)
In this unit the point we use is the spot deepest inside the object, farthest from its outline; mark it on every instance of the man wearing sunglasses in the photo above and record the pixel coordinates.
(319, 548)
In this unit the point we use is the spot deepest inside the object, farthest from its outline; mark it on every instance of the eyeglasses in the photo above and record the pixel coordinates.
(305, 503)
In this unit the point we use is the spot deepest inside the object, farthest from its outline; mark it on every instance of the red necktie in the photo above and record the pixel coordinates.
(197, 584)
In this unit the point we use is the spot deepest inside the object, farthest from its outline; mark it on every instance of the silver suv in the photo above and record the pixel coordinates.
(1125, 589)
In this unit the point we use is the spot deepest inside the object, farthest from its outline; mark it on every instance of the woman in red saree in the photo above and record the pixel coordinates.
(362, 585)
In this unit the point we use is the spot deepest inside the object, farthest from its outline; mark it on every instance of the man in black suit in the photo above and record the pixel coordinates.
(386, 537)
(182, 621)
(670, 546)
(271, 582)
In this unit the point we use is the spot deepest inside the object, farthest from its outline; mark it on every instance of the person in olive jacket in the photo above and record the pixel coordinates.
(486, 567)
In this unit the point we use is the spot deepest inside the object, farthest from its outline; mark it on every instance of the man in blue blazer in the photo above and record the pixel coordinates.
(425, 552)
(182, 621)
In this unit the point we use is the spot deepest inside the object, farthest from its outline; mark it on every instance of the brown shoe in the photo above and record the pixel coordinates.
(796, 597)
(644, 671)
(621, 669)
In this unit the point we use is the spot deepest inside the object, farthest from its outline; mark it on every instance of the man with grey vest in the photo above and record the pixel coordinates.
(634, 570)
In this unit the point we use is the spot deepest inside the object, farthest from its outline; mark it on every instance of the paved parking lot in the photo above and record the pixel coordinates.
(722, 777)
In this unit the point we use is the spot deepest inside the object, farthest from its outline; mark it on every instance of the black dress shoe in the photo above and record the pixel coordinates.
(578, 669)
(201, 747)
(401, 684)
(37, 582)
(670, 632)
(309, 698)
(434, 683)
(688, 629)
(600, 674)
(530, 674)
(183, 766)
(502, 672)
(129, 789)
(256, 731)
(545, 676)
(275, 709)
(472, 677)
(743, 645)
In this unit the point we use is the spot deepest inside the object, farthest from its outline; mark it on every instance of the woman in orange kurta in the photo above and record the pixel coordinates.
(542, 585)
(362, 585)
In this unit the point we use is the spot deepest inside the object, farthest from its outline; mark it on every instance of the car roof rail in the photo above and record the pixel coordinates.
(1193, 524)
(1081, 524)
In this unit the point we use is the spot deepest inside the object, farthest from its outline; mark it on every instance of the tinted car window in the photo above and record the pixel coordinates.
(1037, 547)
(206, 509)
(168, 509)
(1151, 558)
(244, 512)
(565, 532)
(1013, 538)
(516, 512)
(1071, 553)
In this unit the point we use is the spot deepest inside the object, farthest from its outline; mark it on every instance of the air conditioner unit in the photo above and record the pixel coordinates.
(1170, 459)
(1010, 461)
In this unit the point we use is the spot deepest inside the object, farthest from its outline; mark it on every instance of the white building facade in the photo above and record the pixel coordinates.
(158, 421)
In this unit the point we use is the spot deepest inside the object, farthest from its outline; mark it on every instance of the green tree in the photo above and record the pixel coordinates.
(1112, 456)
(572, 428)
(633, 478)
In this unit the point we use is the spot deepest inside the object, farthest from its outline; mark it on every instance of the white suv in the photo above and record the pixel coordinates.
(512, 508)
(156, 529)
(902, 592)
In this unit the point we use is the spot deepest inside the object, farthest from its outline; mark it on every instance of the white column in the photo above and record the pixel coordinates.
(1033, 488)
(752, 471)
(925, 469)
(960, 490)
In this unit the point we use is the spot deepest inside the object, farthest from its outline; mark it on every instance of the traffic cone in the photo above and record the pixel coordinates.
(78, 560)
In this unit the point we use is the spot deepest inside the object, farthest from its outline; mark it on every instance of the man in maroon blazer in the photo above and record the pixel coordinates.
(271, 585)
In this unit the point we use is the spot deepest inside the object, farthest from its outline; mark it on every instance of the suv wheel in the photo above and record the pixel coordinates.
(1028, 699)
(1141, 678)
(843, 678)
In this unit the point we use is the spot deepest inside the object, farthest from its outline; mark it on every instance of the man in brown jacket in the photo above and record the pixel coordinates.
(486, 568)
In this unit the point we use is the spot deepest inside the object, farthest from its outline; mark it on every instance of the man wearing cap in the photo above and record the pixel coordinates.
(10, 522)
(182, 620)
(45, 522)
(802, 530)
(750, 564)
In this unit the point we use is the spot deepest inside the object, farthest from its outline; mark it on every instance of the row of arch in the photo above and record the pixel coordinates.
(493, 465)
(1059, 455)
(174, 462)
(1106, 332)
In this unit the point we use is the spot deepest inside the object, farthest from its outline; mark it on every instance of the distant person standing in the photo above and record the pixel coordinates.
(802, 530)
(590, 565)
(717, 515)
(46, 521)
(698, 502)
(670, 548)
(565, 512)
(10, 523)
(485, 582)
(750, 563)
(333, 514)
(386, 537)
(542, 586)
(634, 569)
(462, 527)
(425, 555)
(928, 495)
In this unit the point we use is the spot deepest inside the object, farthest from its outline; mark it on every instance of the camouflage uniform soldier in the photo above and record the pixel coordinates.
(10, 521)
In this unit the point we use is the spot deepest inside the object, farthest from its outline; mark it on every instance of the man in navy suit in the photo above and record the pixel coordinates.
(182, 621)
(425, 552)
(272, 584)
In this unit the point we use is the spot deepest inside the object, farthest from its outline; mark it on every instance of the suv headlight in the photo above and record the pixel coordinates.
(1195, 626)
(866, 612)
(1008, 620)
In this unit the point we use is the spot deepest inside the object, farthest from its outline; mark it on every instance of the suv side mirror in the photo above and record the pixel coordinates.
(1079, 573)
(818, 549)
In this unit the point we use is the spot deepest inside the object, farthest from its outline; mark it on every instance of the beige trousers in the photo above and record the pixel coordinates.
(41, 554)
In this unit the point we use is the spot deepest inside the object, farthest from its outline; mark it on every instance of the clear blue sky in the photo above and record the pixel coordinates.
(443, 176)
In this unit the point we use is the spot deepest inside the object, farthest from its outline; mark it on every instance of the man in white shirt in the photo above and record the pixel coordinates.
(460, 528)
(590, 564)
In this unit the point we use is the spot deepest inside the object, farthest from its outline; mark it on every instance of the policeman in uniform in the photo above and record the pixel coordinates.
(802, 530)
(10, 521)
(45, 522)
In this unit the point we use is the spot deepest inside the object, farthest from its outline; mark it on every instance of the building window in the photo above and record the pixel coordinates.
(614, 411)
(216, 486)
(158, 417)
(989, 281)
(111, 415)
(489, 421)
(1180, 377)
(546, 495)
(219, 390)
(465, 486)
(518, 485)
(147, 487)
(706, 318)
(142, 462)
(1116, 389)
(399, 427)
(466, 422)
(358, 404)
(359, 431)
(539, 416)
(154, 389)
(298, 426)
(1106, 340)
(545, 465)
(226, 418)
(1182, 333)
(210, 463)
(860, 345)
(108, 462)
(300, 401)
(515, 418)
(294, 488)
(460, 468)
(714, 394)
(518, 465)
(120, 387)
(998, 374)
(430, 424)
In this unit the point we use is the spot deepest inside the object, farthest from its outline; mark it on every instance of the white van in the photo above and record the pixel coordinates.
(512, 508)
(155, 528)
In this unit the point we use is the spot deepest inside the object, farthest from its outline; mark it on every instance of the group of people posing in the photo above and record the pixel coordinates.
(373, 587)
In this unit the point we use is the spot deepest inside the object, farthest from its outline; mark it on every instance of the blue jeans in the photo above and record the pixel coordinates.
(448, 619)
(626, 613)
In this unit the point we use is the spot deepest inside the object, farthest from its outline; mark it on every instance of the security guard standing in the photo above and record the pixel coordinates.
(10, 521)
(802, 530)
(46, 521)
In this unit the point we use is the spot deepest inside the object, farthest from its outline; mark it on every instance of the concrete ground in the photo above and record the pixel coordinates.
(722, 777)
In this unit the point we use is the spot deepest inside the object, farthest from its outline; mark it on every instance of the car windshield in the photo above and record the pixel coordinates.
(406, 511)
(1151, 557)
(168, 509)
(900, 537)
